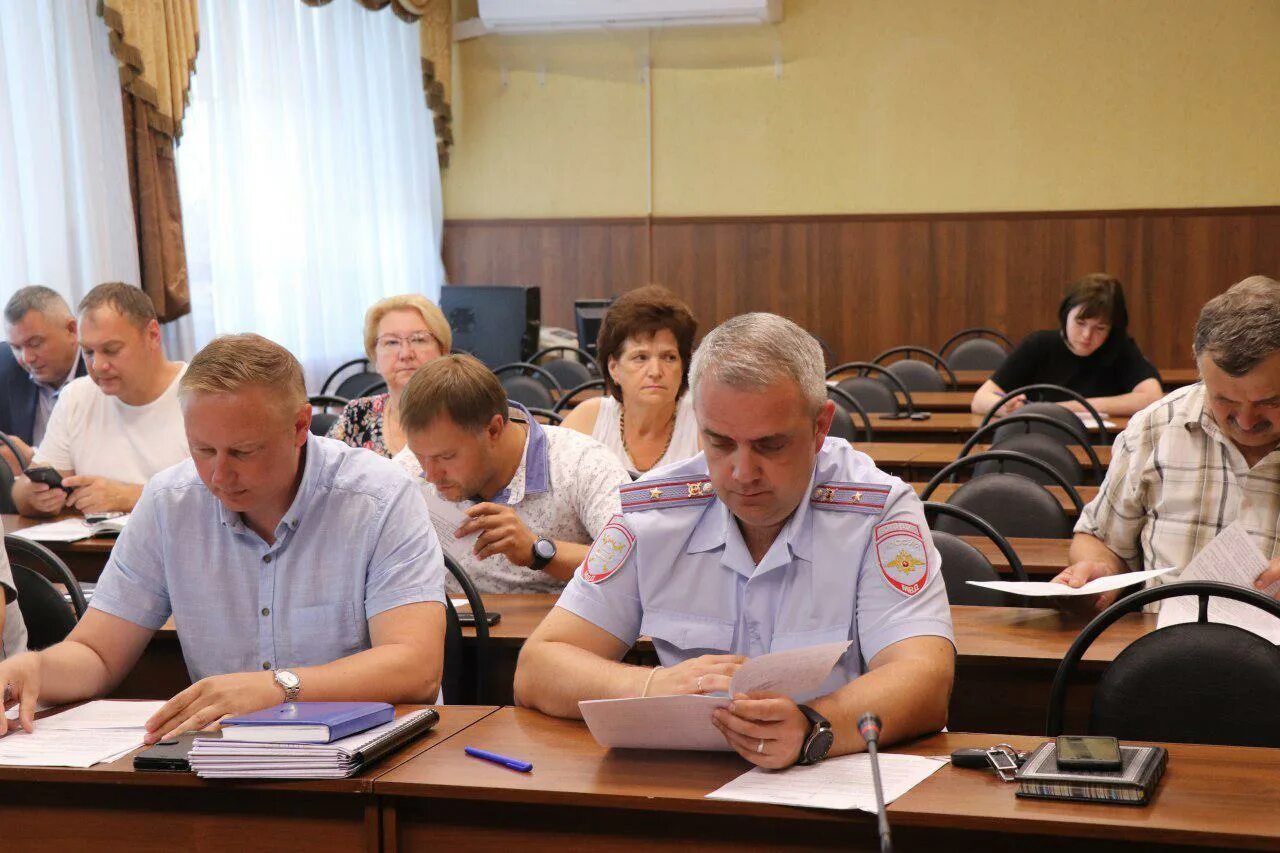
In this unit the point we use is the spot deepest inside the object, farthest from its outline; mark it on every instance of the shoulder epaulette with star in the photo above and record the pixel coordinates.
(850, 497)
(660, 494)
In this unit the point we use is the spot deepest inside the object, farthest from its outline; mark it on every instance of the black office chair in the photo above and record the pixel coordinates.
(1196, 682)
(876, 395)
(1013, 504)
(323, 416)
(1058, 412)
(846, 407)
(569, 398)
(961, 562)
(529, 384)
(568, 372)
(828, 354)
(463, 685)
(917, 375)
(357, 384)
(1039, 389)
(977, 352)
(8, 475)
(47, 614)
(1040, 445)
(546, 416)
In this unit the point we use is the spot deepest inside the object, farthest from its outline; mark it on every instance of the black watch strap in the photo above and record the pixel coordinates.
(817, 743)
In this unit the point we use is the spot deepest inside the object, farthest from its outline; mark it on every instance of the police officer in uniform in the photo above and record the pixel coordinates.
(774, 538)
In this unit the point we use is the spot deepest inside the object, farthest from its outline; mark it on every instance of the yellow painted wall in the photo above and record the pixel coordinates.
(883, 106)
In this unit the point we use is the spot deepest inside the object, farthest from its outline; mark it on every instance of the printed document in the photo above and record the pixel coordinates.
(1232, 557)
(837, 783)
(446, 518)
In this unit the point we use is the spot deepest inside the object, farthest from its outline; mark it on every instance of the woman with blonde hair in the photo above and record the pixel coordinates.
(401, 333)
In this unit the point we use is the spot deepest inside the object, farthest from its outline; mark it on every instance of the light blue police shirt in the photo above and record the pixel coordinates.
(854, 562)
(352, 545)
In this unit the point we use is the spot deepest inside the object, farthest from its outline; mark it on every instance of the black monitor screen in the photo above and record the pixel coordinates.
(496, 324)
(588, 315)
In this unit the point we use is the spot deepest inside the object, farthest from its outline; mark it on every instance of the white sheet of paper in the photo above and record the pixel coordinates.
(48, 747)
(1089, 423)
(837, 783)
(1232, 557)
(684, 722)
(103, 714)
(66, 530)
(446, 518)
(1045, 589)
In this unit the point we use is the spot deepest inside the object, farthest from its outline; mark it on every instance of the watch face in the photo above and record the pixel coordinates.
(544, 548)
(288, 679)
(819, 745)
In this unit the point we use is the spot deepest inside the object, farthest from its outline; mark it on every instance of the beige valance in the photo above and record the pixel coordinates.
(435, 40)
(155, 43)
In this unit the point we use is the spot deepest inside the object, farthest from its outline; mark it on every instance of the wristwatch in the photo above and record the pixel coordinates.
(818, 743)
(289, 683)
(544, 551)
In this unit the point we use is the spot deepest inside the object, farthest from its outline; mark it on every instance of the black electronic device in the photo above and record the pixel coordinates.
(170, 755)
(588, 314)
(44, 474)
(1077, 752)
(497, 324)
(467, 619)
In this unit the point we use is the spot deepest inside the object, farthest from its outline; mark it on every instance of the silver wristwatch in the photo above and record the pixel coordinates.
(289, 683)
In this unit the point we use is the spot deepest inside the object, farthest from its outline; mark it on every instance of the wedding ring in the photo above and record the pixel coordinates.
(760, 748)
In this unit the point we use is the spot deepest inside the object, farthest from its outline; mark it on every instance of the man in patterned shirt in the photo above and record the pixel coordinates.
(535, 496)
(1199, 459)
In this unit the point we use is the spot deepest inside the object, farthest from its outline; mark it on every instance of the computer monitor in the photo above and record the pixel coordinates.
(588, 314)
(497, 324)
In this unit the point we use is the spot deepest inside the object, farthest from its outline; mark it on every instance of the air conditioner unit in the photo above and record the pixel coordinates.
(531, 16)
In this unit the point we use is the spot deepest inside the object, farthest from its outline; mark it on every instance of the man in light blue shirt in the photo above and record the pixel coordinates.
(774, 538)
(295, 567)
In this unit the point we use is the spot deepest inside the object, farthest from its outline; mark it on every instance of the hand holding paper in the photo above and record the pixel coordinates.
(1232, 557)
(1050, 588)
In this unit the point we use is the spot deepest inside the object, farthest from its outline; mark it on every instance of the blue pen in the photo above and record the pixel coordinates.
(513, 763)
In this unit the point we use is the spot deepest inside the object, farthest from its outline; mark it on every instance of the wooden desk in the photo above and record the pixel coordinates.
(85, 558)
(582, 795)
(1041, 558)
(113, 807)
(1170, 378)
(952, 427)
(920, 461)
(945, 490)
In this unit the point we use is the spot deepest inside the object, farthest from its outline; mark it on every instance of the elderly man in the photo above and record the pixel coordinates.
(774, 538)
(43, 356)
(114, 429)
(295, 567)
(1199, 459)
(535, 495)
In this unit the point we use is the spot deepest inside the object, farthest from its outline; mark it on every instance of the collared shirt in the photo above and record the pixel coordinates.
(48, 395)
(566, 489)
(352, 545)
(1175, 481)
(855, 561)
(13, 640)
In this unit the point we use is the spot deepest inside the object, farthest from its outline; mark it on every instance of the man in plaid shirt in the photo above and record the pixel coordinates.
(1199, 459)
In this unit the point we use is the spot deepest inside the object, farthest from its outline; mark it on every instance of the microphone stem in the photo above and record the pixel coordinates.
(882, 816)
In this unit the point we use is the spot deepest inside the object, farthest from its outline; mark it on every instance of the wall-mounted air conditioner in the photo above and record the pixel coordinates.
(532, 16)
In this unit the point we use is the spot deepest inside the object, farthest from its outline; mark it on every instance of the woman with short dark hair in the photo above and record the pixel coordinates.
(644, 349)
(1090, 353)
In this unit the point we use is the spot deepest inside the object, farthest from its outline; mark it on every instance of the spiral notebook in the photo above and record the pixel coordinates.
(215, 758)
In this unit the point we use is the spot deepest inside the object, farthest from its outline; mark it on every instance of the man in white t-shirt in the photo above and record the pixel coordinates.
(113, 429)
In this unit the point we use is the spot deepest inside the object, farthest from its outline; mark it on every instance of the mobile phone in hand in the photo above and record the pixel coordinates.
(44, 474)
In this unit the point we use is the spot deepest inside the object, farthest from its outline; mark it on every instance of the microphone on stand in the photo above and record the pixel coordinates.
(869, 729)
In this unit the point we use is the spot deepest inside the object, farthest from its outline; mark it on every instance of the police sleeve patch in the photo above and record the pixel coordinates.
(904, 561)
(608, 552)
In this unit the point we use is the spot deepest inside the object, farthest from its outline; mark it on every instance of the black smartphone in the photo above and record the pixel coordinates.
(1076, 752)
(170, 755)
(49, 476)
(467, 619)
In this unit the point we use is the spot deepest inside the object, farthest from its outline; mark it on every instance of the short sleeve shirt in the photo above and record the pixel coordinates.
(854, 562)
(352, 545)
(13, 640)
(565, 489)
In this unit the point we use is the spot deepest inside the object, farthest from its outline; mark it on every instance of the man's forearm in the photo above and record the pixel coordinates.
(553, 677)
(910, 696)
(71, 671)
(395, 672)
(1086, 547)
(569, 555)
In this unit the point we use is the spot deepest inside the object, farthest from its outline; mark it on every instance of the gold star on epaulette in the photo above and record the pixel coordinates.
(655, 493)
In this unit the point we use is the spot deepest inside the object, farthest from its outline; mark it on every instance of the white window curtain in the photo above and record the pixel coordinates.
(308, 175)
(66, 217)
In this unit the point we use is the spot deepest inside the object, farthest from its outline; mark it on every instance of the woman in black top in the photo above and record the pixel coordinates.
(1090, 352)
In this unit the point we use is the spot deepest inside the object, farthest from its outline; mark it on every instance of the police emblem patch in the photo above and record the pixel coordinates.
(608, 552)
(902, 555)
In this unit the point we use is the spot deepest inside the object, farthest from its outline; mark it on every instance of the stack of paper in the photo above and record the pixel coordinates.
(82, 737)
(72, 530)
(1232, 557)
(837, 783)
(215, 758)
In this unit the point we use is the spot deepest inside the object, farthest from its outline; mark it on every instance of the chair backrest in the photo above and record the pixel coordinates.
(872, 394)
(842, 425)
(570, 398)
(1041, 447)
(974, 332)
(1041, 388)
(527, 391)
(850, 407)
(48, 616)
(322, 421)
(977, 354)
(38, 558)
(1196, 682)
(567, 372)
(359, 385)
(463, 684)
(359, 365)
(917, 376)
(1061, 414)
(546, 416)
(1012, 504)
(961, 562)
(906, 352)
(7, 505)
